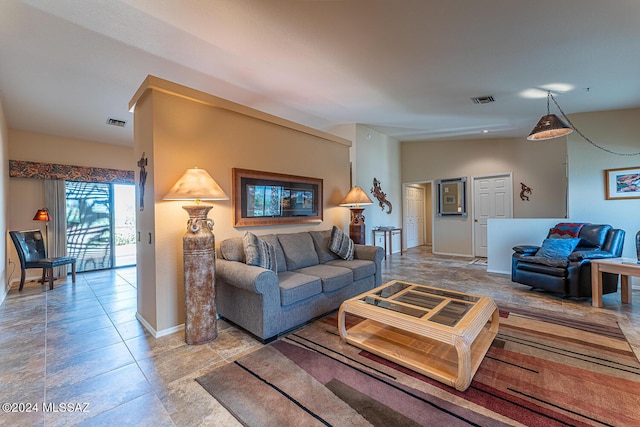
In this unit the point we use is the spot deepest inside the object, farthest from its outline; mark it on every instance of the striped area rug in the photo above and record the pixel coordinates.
(543, 369)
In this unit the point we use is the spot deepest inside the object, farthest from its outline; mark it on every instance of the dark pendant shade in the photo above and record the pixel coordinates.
(548, 127)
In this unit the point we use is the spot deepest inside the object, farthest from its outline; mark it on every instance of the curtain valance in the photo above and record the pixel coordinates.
(24, 169)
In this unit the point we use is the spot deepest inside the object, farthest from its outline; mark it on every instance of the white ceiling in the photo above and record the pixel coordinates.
(407, 68)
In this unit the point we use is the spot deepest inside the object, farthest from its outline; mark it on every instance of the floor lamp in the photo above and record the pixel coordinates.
(198, 245)
(43, 215)
(355, 198)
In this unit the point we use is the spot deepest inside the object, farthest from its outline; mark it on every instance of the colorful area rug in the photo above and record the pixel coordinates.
(543, 369)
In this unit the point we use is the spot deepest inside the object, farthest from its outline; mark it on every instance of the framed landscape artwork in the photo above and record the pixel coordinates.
(622, 183)
(266, 198)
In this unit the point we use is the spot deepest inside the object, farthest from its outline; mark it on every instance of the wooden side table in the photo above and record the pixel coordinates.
(625, 267)
(387, 234)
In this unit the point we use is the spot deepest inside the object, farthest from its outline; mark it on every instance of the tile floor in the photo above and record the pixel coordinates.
(81, 345)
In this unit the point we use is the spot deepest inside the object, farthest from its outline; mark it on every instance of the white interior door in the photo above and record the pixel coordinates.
(492, 198)
(415, 217)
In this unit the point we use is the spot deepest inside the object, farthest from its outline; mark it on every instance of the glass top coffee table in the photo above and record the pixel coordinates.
(440, 333)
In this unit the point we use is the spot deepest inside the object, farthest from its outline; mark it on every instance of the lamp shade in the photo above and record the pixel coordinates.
(196, 184)
(42, 215)
(355, 197)
(549, 127)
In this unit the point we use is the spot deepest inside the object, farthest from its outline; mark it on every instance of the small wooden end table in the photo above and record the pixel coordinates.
(625, 267)
(439, 333)
(387, 234)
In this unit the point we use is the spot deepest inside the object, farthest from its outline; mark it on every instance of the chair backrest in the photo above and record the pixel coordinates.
(614, 242)
(594, 235)
(29, 245)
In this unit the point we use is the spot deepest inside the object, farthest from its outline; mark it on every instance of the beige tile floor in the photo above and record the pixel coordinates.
(81, 345)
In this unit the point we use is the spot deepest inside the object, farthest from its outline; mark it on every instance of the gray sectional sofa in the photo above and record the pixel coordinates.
(310, 281)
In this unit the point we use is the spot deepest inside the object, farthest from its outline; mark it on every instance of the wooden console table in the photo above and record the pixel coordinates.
(387, 234)
(625, 267)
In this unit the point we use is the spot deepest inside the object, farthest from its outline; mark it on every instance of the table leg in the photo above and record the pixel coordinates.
(390, 242)
(464, 378)
(341, 323)
(596, 285)
(625, 288)
(384, 237)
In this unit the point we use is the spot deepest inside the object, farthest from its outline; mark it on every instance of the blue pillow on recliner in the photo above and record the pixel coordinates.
(557, 248)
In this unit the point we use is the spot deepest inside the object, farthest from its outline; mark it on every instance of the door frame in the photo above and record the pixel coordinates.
(473, 204)
(404, 213)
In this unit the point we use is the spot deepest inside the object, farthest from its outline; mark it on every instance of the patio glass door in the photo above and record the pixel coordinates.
(92, 235)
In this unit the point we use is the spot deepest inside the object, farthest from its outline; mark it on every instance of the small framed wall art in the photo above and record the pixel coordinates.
(622, 183)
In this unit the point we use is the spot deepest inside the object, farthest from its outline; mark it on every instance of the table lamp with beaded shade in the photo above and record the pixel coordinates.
(198, 253)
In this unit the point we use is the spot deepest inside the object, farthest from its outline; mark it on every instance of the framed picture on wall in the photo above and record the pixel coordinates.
(266, 198)
(622, 183)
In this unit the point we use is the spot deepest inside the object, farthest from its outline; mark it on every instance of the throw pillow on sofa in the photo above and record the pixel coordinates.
(258, 252)
(341, 244)
(557, 248)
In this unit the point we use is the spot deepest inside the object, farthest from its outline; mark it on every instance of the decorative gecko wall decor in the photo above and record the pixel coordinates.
(376, 190)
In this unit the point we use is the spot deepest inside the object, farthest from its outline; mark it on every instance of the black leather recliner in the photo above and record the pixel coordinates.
(570, 276)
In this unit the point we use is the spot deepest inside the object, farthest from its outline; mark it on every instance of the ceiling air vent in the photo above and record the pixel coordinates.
(483, 99)
(116, 122)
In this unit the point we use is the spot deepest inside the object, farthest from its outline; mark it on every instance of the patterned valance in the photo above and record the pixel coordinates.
(22, 169)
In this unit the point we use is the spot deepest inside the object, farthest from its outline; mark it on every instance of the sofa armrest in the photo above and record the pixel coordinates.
(248, 277)
(368, 252)
(526, 249)
(590, 254)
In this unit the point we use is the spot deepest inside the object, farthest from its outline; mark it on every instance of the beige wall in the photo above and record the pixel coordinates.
(378, 156)
(375, 155)
(38, 147)
(617, 131)
(4, 191)
(540, 165)
(189, 128)
(26, 195)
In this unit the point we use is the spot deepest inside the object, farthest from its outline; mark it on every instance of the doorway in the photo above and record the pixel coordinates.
(418, 214)
(100, 224)
(492, 198)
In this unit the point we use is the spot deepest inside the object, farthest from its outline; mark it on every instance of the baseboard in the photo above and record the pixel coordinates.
(3, 293)
(158, 334)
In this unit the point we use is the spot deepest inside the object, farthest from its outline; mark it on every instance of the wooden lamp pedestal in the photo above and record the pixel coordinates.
(357, 227)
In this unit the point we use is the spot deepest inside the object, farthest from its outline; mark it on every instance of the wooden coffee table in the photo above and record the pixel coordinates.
(439, 333)
(625, 267)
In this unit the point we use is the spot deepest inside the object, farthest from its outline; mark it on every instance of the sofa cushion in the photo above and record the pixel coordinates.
(341, 244)
(557, 248)
(549, 262)
(233, 249)
(296, 287)
(361, 267)
(332, 277)
(321, 242)
(542, 265)
(299, 251)
(258, 252)
(273, 239)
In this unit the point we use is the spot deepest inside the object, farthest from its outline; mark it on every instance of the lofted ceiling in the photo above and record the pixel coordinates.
(407, 68)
